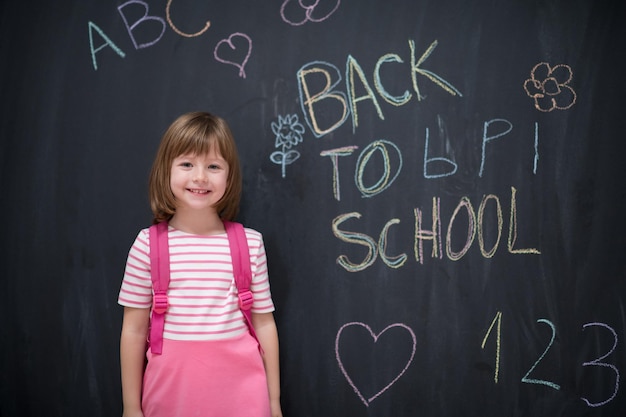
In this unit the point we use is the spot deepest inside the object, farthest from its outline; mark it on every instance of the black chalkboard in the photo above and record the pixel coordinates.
(439, 185)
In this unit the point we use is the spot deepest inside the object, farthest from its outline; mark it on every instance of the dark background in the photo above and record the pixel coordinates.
(78, 142)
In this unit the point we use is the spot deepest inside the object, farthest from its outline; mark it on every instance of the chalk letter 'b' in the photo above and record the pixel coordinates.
(314, 76)
(441, 160)
(144, 19)
(107, 42)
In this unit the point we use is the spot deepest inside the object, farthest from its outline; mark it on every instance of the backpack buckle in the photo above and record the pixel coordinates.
(159, 304)
(245, 300)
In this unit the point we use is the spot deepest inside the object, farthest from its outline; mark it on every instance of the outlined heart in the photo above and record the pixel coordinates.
(220, 51)
(375, 337)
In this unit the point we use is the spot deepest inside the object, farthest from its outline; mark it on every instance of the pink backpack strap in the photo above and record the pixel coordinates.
(240, 255)
(160, 274)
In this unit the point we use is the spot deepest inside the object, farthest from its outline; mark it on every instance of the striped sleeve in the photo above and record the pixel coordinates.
(136, 289)
(260, 286)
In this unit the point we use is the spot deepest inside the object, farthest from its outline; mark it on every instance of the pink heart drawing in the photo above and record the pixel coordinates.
(229, 41)
(375, 337)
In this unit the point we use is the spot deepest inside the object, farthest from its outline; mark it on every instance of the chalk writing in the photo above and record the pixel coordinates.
(318, 99)
(239, 43)
(338, 98)
(416, 66)
(382, 146)
(309, 10)
(353, 67)
(247, 48)
(143, 20)
(526, 378)
(387, 178)
(497, 321)
(175, 29)
(549, 87)
(536, 159)
(421, 234)
(598, 362)
(376, 337)
(471, 229)
(481, 213)
(429, 161)
(334, 155)
(107, 42)
(358, 239)
(444, 166)
(391, 261)
(513, 229)
(487, 139)
(330, 96)
(288, 132)
(393, 100)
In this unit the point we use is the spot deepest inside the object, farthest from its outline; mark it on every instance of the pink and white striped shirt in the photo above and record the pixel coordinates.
(202, 295)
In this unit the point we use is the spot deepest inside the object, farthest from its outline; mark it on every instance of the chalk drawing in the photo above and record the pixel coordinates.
(220, 50)
(309, 11)
(549, 87)
(288, 132)
(367, 401)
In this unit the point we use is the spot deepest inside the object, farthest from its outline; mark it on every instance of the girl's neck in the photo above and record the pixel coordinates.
(197, 223)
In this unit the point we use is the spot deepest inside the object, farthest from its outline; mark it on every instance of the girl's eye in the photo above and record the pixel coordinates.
(214, 166)
(186, 164)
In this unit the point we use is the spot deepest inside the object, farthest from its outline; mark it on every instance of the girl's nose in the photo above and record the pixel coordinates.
(200, 175)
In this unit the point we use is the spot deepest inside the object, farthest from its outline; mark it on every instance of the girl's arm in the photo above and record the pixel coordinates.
(265, 328)
(132, 357)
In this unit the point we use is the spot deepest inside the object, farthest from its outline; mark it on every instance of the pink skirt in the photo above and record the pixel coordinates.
(223, 378)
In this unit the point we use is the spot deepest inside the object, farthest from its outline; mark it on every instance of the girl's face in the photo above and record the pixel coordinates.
(198, 181)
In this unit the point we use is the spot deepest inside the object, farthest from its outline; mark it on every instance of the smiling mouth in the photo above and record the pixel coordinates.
(194, 191)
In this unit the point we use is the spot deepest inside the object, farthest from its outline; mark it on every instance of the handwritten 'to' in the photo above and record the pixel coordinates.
(220, 51)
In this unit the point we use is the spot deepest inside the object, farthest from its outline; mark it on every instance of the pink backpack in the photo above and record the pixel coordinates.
(160, 271)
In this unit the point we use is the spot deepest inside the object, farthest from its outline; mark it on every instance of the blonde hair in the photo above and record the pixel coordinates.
(194, 133)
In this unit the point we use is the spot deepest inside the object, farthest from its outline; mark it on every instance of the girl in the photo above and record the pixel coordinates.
(210, 364)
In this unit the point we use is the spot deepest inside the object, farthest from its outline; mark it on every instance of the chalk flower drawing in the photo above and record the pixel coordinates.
(549, 87)
(309, 10)
(288, 133)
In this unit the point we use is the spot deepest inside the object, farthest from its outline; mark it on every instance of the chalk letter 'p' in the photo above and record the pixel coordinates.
(486, 139)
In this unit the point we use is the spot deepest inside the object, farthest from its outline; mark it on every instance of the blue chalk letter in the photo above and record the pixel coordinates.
(107, 42)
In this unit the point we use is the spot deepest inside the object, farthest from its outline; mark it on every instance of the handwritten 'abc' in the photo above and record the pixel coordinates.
(143, 27)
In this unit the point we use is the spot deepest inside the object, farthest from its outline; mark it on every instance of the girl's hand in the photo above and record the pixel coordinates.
(133, 413)
(275, 408)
